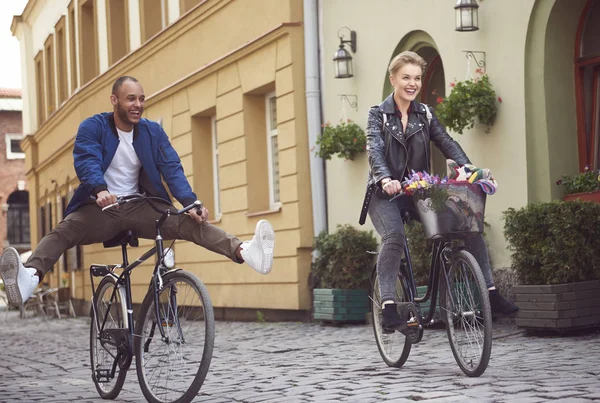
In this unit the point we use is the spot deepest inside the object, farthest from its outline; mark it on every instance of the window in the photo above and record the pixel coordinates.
(88, 49)
(215, 161)
(73, 256)
(13, 146)
(203, 161)
(587, 87)
(187, 5)
(49, 64)
(272, 149)
(118, 30)
(152, 17)
(39, 84)
(61, 60)
(17, 219)
(42, 221)
(72, 47)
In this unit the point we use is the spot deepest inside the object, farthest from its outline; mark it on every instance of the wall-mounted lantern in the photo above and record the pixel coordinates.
(343, 59)
(467, 17)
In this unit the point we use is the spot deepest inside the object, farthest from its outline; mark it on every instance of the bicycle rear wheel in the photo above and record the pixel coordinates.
(103, 349)
(466, 306)
(173, 368)
(393, 347)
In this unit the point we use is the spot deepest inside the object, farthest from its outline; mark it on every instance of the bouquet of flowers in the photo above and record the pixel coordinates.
(423, 185)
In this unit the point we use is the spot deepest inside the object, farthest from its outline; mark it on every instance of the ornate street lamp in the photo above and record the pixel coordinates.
(467, 18)
(343, 59)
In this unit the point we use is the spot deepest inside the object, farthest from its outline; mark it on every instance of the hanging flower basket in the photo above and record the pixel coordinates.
(345, 139)
(468, 102)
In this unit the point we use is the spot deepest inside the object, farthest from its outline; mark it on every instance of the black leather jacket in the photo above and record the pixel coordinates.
(394, 154)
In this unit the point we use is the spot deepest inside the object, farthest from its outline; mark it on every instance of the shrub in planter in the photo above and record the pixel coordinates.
(342, 272)
(345, 139)
(343, 262)
(556, 253)
(554, 243)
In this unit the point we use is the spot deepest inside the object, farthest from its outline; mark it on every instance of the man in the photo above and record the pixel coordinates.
(116, 154)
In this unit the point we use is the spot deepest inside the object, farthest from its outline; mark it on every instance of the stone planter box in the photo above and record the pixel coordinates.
(336, 305)
(560, 307)
(589, 196)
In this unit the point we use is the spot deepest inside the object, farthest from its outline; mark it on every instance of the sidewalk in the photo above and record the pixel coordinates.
(297, 362)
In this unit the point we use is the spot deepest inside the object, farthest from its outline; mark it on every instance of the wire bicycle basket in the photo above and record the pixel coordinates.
(458, 211)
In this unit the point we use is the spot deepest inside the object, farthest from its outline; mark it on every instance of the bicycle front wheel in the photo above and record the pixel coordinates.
(466, 305)
(393, 347)
(174, 343)
(103, 348)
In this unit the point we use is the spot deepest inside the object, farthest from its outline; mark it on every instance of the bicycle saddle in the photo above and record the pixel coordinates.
(124, 238)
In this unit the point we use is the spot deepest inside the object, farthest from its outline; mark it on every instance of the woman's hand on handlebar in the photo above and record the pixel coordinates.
(105, 198)
(199, 216)
(391, 187)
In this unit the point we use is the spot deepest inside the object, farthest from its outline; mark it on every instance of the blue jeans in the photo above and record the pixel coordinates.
(387, 220)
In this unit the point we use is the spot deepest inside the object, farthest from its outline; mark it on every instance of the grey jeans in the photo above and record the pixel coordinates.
(387, 220)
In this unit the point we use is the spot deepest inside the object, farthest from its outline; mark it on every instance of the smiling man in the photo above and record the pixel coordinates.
(121, 153)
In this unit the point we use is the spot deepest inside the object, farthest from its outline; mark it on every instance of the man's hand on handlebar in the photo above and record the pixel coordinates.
(391, 186)
(104, 198)
(200, 216)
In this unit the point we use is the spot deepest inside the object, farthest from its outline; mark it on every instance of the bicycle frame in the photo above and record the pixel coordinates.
(124, 280)
(440, 257)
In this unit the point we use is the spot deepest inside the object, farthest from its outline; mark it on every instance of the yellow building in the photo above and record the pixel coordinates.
(226, 78)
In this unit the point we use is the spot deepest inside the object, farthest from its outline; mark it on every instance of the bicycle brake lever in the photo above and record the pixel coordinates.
(118, 203)
(397, 195)
(110, 206)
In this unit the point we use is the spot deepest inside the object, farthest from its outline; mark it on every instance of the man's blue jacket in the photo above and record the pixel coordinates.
(95, 146)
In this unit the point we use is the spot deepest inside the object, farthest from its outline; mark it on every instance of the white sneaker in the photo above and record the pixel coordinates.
(19, 281)
(258, 253)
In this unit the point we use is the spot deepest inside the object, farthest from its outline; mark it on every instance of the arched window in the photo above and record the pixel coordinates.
(17, 219)
(587, 76)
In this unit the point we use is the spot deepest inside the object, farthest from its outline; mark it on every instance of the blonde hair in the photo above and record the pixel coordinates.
(404, 58)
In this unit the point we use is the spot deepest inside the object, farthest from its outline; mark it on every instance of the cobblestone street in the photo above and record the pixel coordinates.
(293, 362)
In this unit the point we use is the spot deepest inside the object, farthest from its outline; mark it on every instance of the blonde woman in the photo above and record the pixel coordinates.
(410, 126)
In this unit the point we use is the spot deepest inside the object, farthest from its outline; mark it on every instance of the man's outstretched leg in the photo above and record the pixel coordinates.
(256, 253)
(84, 226)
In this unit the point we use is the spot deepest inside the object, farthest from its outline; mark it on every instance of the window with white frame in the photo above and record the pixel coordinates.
(13, 147)
(272, 150)
(215, 161)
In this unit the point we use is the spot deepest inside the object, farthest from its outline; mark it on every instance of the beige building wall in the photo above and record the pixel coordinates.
(196, 69)
(506, 29)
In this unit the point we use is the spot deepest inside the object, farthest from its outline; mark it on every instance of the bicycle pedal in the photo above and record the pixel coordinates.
(103, 375)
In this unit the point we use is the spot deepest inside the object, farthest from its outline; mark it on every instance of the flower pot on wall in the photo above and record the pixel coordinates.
(337, 305)
(561, 307)
(588, 196)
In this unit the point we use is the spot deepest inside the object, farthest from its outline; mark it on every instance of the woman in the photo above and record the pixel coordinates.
(398, 133)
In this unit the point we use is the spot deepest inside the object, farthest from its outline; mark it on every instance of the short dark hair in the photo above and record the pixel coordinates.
(119, 82)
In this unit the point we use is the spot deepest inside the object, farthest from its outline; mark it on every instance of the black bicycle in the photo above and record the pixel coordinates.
(174, 332)
(456, 278)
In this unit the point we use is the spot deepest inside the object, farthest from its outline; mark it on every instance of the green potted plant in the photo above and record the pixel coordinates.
(555, 253)
(342, 273)
(345, 139)
(469, 100)
(584, 186)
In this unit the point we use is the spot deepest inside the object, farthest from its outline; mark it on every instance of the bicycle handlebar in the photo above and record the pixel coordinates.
(136, 197)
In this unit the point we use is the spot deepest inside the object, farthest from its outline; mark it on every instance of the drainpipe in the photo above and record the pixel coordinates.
(313, 113)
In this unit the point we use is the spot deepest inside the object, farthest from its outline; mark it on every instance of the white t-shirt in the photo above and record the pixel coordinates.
(123, 174)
